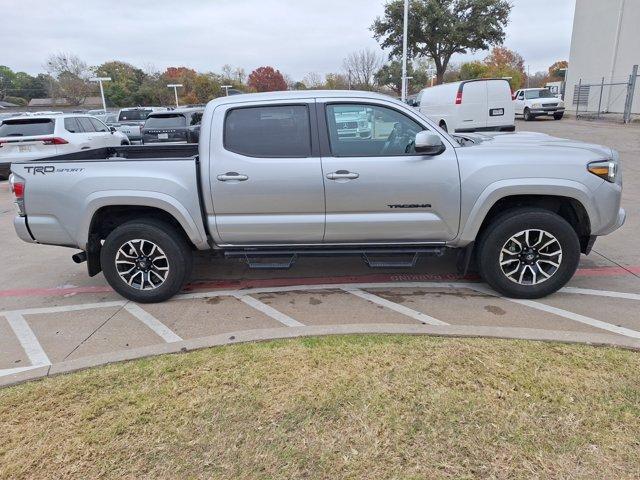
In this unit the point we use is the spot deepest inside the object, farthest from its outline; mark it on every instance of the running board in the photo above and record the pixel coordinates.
(277, 258)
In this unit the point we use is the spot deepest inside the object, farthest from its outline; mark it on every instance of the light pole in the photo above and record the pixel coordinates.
(404, 50)
(226, 89)
(100, 80)
(175, 90)
(406, 80)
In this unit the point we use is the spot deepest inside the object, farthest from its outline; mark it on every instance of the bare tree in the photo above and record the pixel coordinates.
(72, 75)
(313, 81)
(361, 67)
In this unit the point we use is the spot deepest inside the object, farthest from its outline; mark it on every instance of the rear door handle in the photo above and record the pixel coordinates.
(231, 176)
(340, 174)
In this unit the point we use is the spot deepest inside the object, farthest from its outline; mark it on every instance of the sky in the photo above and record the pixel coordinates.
(294, 36)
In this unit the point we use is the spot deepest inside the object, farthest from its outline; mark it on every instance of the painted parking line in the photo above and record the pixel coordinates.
(27, 339)
(153, 323)
(601, 293)
(576, 317)
(396, 307)
(267, 310)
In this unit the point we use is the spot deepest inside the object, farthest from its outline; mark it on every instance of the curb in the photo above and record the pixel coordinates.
(244, 336)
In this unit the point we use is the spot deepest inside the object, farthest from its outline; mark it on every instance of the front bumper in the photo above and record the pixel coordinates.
(546, 111)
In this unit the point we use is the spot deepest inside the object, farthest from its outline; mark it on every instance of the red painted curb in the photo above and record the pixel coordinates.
(282, 282)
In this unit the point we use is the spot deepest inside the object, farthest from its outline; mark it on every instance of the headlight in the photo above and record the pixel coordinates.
(561, 104)
(536, 105)
(607, 170)
(362, 124)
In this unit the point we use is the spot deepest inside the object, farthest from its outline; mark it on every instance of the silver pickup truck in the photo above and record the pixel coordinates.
(274, 178)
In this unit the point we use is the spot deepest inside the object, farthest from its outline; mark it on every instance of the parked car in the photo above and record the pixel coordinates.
(173, 126)
(131, 120)
(273, 176)
(32, 137)
(469, 106)
(537, 102)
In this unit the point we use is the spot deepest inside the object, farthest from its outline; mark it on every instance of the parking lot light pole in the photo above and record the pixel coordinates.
(175, 90)
(404, 50)
(226, 89)
(100, 80)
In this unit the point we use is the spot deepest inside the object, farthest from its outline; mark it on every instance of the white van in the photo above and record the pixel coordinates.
(470, 105)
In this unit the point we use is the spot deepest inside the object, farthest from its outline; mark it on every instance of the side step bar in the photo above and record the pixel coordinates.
(285, 258)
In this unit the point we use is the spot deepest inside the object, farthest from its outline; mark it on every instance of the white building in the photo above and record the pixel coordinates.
(605, 44)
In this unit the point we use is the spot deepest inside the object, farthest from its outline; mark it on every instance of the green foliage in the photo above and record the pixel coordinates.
(126, 81)
(441, 28)
(390, 76)
(471, 70)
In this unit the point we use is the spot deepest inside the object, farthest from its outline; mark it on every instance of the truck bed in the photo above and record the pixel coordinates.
(133, 152)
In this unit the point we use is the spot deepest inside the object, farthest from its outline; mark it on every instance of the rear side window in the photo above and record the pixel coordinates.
(196, 119)
(136, 115)
(85, 124)
(71, 125)
(25, 127)
(173, 120)
(282, 131)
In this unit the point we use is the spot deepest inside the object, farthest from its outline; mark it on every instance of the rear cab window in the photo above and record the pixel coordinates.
(133, 115)
(166, 120)
(269, 131)
(26, 127)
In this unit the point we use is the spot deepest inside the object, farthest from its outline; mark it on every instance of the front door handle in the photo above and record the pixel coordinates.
(342, 174)
(232, 176)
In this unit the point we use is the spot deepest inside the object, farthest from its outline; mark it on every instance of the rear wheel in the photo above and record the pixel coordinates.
(146, 261)
(558, 116)
(527, 115)
(528, 253)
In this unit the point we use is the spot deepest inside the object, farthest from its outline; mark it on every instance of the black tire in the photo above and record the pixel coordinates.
(558, 116)
(527, 115)
(124, 143)
(508, 225)
(169, 241)
(443, 125)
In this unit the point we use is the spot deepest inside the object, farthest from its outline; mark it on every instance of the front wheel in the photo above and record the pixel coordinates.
(528, 253)
(146, 261)
(558, 116)
(527, 115)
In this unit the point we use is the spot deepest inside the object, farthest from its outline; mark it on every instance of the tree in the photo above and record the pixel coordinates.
(266, 79)
(125, 82)
(472, 70)
(72, 75)
(6, 81)
(390, 76)
(361, 67)
(503, 62)
(557, 71)
(336, 81)
(313, 81)
(442, 28)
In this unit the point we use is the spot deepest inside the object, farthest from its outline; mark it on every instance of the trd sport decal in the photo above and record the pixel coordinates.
(411, 205)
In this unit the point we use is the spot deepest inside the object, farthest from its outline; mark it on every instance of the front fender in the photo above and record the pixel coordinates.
(474, 213)
(97, 200)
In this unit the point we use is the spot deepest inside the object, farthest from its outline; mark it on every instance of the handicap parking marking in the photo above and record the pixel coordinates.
(396, 307)
(268, 310)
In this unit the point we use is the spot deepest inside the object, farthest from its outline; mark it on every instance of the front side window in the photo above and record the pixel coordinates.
(98, 125)
(278, 131)
(370, 131)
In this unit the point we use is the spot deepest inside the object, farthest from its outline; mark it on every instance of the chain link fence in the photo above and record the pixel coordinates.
(608, 100)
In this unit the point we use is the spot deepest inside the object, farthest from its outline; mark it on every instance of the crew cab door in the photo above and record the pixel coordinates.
(265, 173)
(378, 189)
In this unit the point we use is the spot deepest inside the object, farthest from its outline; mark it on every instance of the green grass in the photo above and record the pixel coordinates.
(362, 407)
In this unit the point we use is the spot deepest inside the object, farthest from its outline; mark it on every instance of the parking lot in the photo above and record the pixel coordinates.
(54, 318)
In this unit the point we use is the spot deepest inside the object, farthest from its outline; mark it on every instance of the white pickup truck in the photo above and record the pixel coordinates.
(274, 175)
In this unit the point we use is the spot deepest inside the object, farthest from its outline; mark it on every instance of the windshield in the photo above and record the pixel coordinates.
(26, 127)
(166, 121)
(136, 115)
(544, 93)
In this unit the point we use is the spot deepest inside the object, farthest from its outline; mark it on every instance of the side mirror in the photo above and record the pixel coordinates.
(112, 129)
(429, 143)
